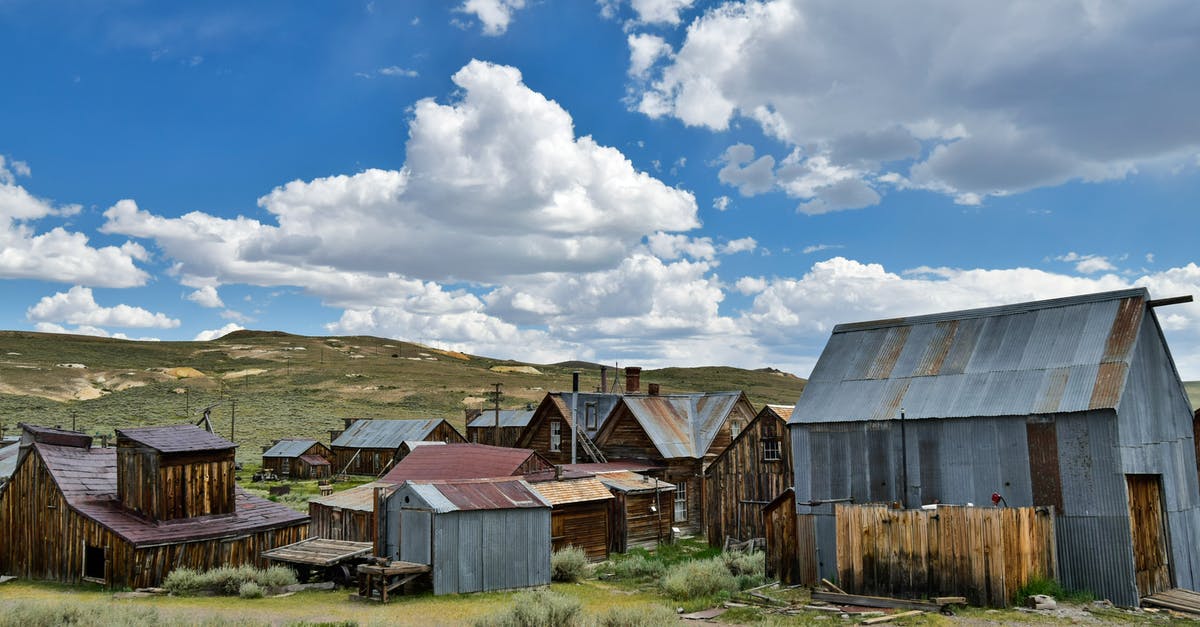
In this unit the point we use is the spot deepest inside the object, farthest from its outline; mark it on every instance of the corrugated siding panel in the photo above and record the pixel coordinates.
(1095, 553)
(854, 354)
(445, 555)
(416, 545)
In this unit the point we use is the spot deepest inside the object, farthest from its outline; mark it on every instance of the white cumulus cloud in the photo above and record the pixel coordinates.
(495, 15)
(78, 306)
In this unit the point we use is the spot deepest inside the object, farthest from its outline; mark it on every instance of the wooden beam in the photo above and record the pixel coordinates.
(829, 584)
(866, 601)
(1162, 302)
(892, 617)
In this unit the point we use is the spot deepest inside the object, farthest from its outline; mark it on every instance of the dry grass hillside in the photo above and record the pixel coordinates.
(267, 385)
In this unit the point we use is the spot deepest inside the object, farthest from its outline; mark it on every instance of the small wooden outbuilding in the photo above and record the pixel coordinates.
(580, 511)
(346, 515)
(641, 512)
(747, 475)
(499, 428)
(370, 447)
(476, 534)
(298, 458)
(164, 498)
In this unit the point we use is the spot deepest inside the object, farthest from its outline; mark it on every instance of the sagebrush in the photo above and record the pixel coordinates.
(568, 564)
(539, 608)
(226, 580)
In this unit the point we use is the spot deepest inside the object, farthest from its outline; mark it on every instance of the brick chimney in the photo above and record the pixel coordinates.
(604, 379)
(652, 389)
(633, 379)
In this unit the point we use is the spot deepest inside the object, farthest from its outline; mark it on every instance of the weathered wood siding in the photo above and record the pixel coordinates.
(687, 473)
(337, 523)
(742, 480)
(504, 436)
(374, 461)
(167, 487)
(538, 439)
(779, 530)
(582, 525)
(635, 523)
(41, 537)
(983, 554)
(626, 439)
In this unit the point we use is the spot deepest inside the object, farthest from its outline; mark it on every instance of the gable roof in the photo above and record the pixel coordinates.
(508, 418)
(49, 435)
(289, 447)
(476, 494)
(460, 461)
(559, 404)
(87, 479)
(768, 412)
(8, 459)
(176, 438)
(1052, 356)
(389, 434)
(679, 425)
(574, 490)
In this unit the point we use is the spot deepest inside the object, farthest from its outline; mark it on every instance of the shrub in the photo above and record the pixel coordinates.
(39, 614)
(569, 564)
(540, 608)
(226, 580)
(739, 563)
(699, 578)
(276, 577)
(250, 590)
(638, 567)
(184, 581)
(653, 616)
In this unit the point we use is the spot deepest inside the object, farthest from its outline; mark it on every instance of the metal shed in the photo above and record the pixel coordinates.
(477, 535)
(1073, 403)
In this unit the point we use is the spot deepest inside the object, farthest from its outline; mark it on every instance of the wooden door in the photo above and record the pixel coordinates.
(1150, 556)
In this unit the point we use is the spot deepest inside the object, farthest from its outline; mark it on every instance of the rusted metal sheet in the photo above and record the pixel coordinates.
(464, 461)
(683, 425)
(1045, 478)
(1061, 355)
(477, 494)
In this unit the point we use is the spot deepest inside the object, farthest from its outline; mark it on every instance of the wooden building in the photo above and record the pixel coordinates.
(683, 433)
(298, 458)
(782, 554)
(1072, 404)
(498, 428)
(477, 535)
(747, 475)
(465, 461)
(346, 515)
(370, 447)
(579, 514)
(549, 430)
(163, 499)
(641, 513)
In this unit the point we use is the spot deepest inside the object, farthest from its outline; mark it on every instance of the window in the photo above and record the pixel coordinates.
(735, 428)
(556, 436)
(590, 418)
(770, 449)
(681, 503)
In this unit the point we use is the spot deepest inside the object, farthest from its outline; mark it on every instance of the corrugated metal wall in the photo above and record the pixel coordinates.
(483, 550)
(963, 461)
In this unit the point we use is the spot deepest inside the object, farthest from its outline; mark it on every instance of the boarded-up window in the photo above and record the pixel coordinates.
(1042, 439)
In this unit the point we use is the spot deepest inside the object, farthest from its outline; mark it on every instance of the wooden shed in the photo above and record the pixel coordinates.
(499, 428)
(163, 499)
(370, 447)
(683, 433)
(747, 475)
(477, 535)
(782, 554)
(346, 515)
(580, 511)
(641, 512)
(1072, 404)
(298, 458)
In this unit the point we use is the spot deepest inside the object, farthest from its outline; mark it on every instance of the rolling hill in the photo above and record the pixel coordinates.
(267, 385)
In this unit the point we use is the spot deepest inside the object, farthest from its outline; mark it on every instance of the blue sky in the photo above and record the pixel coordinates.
(654, 182)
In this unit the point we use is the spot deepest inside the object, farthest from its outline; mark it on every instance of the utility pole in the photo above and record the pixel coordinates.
(73, 414)
(232, 417)
(496, 400)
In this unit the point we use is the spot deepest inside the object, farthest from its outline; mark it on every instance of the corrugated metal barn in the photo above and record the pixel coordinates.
(1073, 403)
(369, 447)
(477, 534)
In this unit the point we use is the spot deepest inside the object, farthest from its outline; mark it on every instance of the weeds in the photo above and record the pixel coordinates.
(540, 608)
(226, 580)
(568, 564)
(652, 616)
(699, 579)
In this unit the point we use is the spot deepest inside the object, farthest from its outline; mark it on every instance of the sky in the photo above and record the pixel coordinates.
(643, 182)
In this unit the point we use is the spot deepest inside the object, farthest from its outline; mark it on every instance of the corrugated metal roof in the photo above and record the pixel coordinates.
(682, 425)
(567, 491)
(387, 434)
(459, 461)
(289, 447)
(477, 494)
(1061, 355)
(633, 483)
(508, 418)
(314, 460)
(176, 438)
(88, 481)
(8, 459)
(359, 498)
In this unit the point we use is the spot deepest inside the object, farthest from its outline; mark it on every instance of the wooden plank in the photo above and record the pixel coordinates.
(892, 617)
(870, 601)
(829, 584)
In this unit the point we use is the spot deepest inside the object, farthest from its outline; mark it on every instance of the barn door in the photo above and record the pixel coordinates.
(1150, 557)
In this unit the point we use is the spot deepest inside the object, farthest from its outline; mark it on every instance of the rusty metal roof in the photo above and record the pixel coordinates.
(314, 460)
(88, 481)
(682, 425)
(385, 434)
(633, 483)
(175, 438)
(359, 498)
(574, 490)
(508, 418)
(289, 447)
(1062, 355)
(461, 461)
(476, 494)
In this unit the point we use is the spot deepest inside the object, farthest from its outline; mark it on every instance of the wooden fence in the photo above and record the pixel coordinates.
(984, 554)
